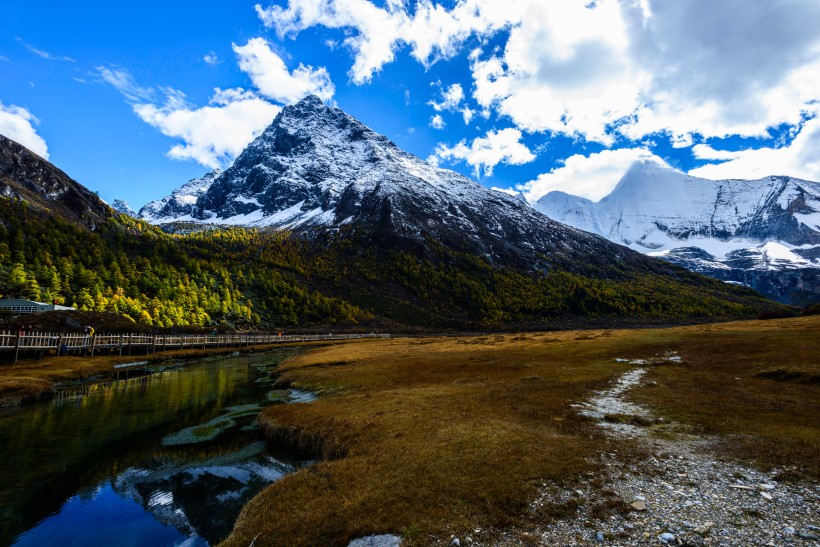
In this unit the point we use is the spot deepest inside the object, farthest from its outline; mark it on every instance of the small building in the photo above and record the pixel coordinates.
(18, 306)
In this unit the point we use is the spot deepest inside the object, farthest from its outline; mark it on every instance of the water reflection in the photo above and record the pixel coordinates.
(96, 454)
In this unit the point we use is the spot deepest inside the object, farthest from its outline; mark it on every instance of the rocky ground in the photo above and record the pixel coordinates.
(679, 495)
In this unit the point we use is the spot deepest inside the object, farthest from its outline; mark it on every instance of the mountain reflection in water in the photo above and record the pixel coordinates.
(96, 468)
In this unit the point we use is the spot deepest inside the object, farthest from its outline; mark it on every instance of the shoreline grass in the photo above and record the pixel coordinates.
(429, 438)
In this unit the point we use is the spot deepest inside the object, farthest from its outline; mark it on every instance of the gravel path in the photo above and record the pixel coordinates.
(680, 495)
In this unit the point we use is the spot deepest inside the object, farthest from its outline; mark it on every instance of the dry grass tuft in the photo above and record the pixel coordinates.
(15, 391)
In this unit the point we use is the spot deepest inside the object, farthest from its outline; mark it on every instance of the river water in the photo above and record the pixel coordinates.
(164, 459)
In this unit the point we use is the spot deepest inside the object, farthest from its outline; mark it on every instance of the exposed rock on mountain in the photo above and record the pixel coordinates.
(763, 233)
(25, 175)
(316, 170)
(121, 206)
(180, 204)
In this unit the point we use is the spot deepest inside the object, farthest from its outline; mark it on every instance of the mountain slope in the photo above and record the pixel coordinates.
(422, 245)
(764, 233)
(25, 175)
(316, 170)
(316, 167)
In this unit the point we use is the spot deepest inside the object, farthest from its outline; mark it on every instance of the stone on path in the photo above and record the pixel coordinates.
(384, 540)
(704, 528)
(666, 537)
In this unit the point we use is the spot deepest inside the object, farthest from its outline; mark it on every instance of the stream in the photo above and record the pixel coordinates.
(167, 458)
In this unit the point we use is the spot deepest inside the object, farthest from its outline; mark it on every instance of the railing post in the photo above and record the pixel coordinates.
(93, 343)
(17, 347)
(59, 344)
(154, 345)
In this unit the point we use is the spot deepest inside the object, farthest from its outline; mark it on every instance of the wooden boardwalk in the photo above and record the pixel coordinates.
(43, 343)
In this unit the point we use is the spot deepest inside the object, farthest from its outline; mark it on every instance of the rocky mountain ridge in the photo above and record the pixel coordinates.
(763, 233)
(316, 169)
(26, 176)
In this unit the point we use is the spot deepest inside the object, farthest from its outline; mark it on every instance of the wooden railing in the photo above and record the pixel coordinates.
(72, 343)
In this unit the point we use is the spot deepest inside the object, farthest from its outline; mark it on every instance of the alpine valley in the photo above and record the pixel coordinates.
(322, 221)
(763, 233)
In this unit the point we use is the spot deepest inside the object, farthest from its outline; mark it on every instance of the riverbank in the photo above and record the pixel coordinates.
(482, 438)
(31, 381)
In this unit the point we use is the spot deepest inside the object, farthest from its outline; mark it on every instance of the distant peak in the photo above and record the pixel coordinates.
(309, 103)
(649, 164)
(311, 100)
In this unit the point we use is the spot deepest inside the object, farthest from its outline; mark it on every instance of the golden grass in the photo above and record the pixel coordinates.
(432, 437)
(754, 385)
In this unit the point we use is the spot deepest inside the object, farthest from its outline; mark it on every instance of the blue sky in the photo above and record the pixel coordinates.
(134, 99)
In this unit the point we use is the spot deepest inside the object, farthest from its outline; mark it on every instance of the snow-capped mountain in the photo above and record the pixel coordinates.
(180, 204)
(316, 169)
(763, 233)
(122, 206)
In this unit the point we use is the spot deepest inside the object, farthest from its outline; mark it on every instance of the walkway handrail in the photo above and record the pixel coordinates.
(63, 342)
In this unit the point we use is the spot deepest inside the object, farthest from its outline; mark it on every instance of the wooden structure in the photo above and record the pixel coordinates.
(41, 343)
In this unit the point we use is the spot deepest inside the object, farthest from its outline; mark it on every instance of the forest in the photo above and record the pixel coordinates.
(245, 278)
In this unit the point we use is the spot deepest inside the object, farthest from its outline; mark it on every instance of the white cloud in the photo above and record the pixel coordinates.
(706, 152)
(680, 68)
(801, 158)
(437, 122)
(212, 135)
(723, 68)
(592, 177)
(468, 114)
(432, 32)
(271, 77)
(17, 124)
(484, 153)
(122, 80)
(450, 98)
(564, 69)
(211, 58)
(45, 54)
(599, 69)
(215, 134)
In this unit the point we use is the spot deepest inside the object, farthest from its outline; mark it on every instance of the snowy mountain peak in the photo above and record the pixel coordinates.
(651, 166)
(122, 206)
(656, 209)
(652, 179)
(179, 205)
(311, 166)
(317, 170)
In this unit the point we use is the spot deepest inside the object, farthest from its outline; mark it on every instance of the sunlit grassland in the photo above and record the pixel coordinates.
(437, 436)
